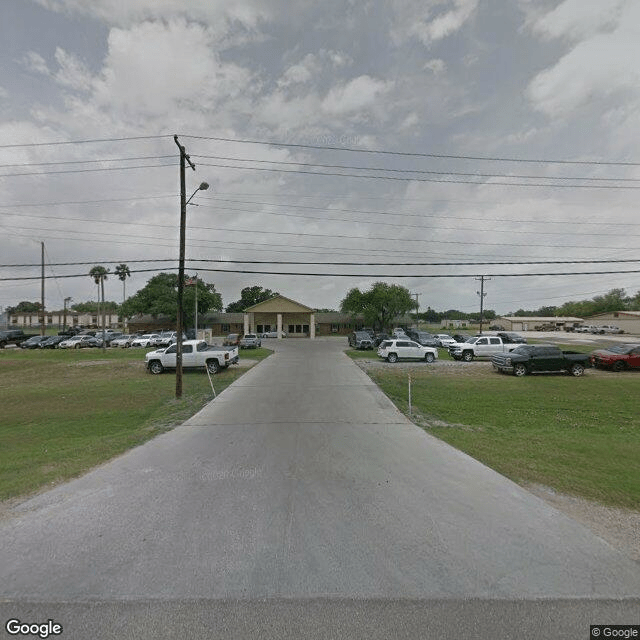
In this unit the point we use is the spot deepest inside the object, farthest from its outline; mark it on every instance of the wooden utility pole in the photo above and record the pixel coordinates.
(42, 318)
(184, 158)
(482, 294)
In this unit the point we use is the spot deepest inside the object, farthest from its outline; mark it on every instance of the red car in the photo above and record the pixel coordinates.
(617, 357)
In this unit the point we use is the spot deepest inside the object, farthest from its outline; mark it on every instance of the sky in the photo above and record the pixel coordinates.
(433, 137)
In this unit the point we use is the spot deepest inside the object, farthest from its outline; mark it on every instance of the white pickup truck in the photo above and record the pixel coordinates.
(480, 347)
(196, 354)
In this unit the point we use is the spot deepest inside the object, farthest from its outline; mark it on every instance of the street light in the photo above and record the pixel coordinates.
(183, 223)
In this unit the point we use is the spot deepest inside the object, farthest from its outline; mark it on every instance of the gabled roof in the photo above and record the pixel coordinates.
(279, 304)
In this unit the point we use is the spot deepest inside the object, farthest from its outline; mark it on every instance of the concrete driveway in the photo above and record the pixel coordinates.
(301, 494)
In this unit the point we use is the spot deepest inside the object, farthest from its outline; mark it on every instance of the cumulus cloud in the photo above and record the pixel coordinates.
(430, 21)
(604, 61)
(359, 93)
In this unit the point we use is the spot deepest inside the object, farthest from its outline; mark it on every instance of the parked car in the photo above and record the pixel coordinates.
(146, 340)
(617, 357)
(167, 338)
(13, 336)
(250, 341)
(399, 331)
(396, 349)
(33, 342)
(380, 337)
(444, 339)
(51, 342)
(233, 339)
(360, 340)
(80, 342)
(425, 339)
(509, 337)
(123, 341)
(540, 358)
(272, 334)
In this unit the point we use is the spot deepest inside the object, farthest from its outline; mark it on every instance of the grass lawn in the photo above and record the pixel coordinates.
(580, 436)
(64, 412)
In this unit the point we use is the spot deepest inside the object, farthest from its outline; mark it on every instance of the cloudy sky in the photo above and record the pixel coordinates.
(448, 131)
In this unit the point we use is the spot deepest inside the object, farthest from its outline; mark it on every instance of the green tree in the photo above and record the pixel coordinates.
(159, 297)
(24, 307)
(123, 272)
(110, 306)
(248, 297)
(380, 305)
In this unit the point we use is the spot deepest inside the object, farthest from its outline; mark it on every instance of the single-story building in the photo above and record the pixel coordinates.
(534, 323)
(56, 319)
(628, 321)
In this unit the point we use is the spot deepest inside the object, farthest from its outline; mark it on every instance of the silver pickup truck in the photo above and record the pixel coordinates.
(196, 354)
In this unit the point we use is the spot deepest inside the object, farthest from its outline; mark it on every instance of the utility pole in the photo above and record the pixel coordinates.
(482, 294)
(64, 317)
(42, 292)
(417, 295)
(184, 158)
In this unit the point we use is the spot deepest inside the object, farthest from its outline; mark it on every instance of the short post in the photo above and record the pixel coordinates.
(409, 395)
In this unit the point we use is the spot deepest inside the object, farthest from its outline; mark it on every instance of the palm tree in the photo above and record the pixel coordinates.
(122, 271)
(99, 275)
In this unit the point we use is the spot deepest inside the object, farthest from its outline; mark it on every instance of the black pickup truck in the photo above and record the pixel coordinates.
(13, 336)
(529, 358)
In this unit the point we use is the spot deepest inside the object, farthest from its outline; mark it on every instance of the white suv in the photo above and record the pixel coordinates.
(397, 349)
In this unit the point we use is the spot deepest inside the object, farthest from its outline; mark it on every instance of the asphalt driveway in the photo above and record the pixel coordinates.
(301, 483)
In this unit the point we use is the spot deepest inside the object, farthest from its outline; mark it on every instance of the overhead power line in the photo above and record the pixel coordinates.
(91, 140)
(337, 263)
(48, 173)
(419, 171)
(418, 155)
(356, 275)
(405, 179)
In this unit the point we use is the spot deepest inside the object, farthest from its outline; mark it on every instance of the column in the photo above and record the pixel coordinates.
(279, 326)
(246, 323)
(312, 326)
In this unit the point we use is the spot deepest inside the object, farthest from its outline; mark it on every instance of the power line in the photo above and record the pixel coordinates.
(341, 263)
(420, 171)
(418, 155)
(358, 275)
(67, 142)
(436, 180)
(49, 173)
(65, 162)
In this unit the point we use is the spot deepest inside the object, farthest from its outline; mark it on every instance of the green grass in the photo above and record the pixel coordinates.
(64, 412)
(580, 436)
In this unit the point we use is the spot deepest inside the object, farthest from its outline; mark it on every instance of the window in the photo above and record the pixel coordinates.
(494, 340)
(334, 328)
(187, 348)
(226, 328)
(291, 328)
(305, 328)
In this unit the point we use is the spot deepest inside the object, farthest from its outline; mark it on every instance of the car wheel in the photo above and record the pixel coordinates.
(392, 357)
(77, 346)
(467, 356)
(577, 369)
(155, 367)
(429, 357)
(619, 365)
(213, 366)
(519, 370)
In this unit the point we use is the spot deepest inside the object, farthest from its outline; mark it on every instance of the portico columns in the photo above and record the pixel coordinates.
(279, 326)
(312, 326)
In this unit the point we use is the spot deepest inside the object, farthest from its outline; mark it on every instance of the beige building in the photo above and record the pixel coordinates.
(281, 314)
(522, 323)
(628, 321)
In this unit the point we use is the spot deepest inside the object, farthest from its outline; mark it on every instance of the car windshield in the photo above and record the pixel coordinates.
(621, 348)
